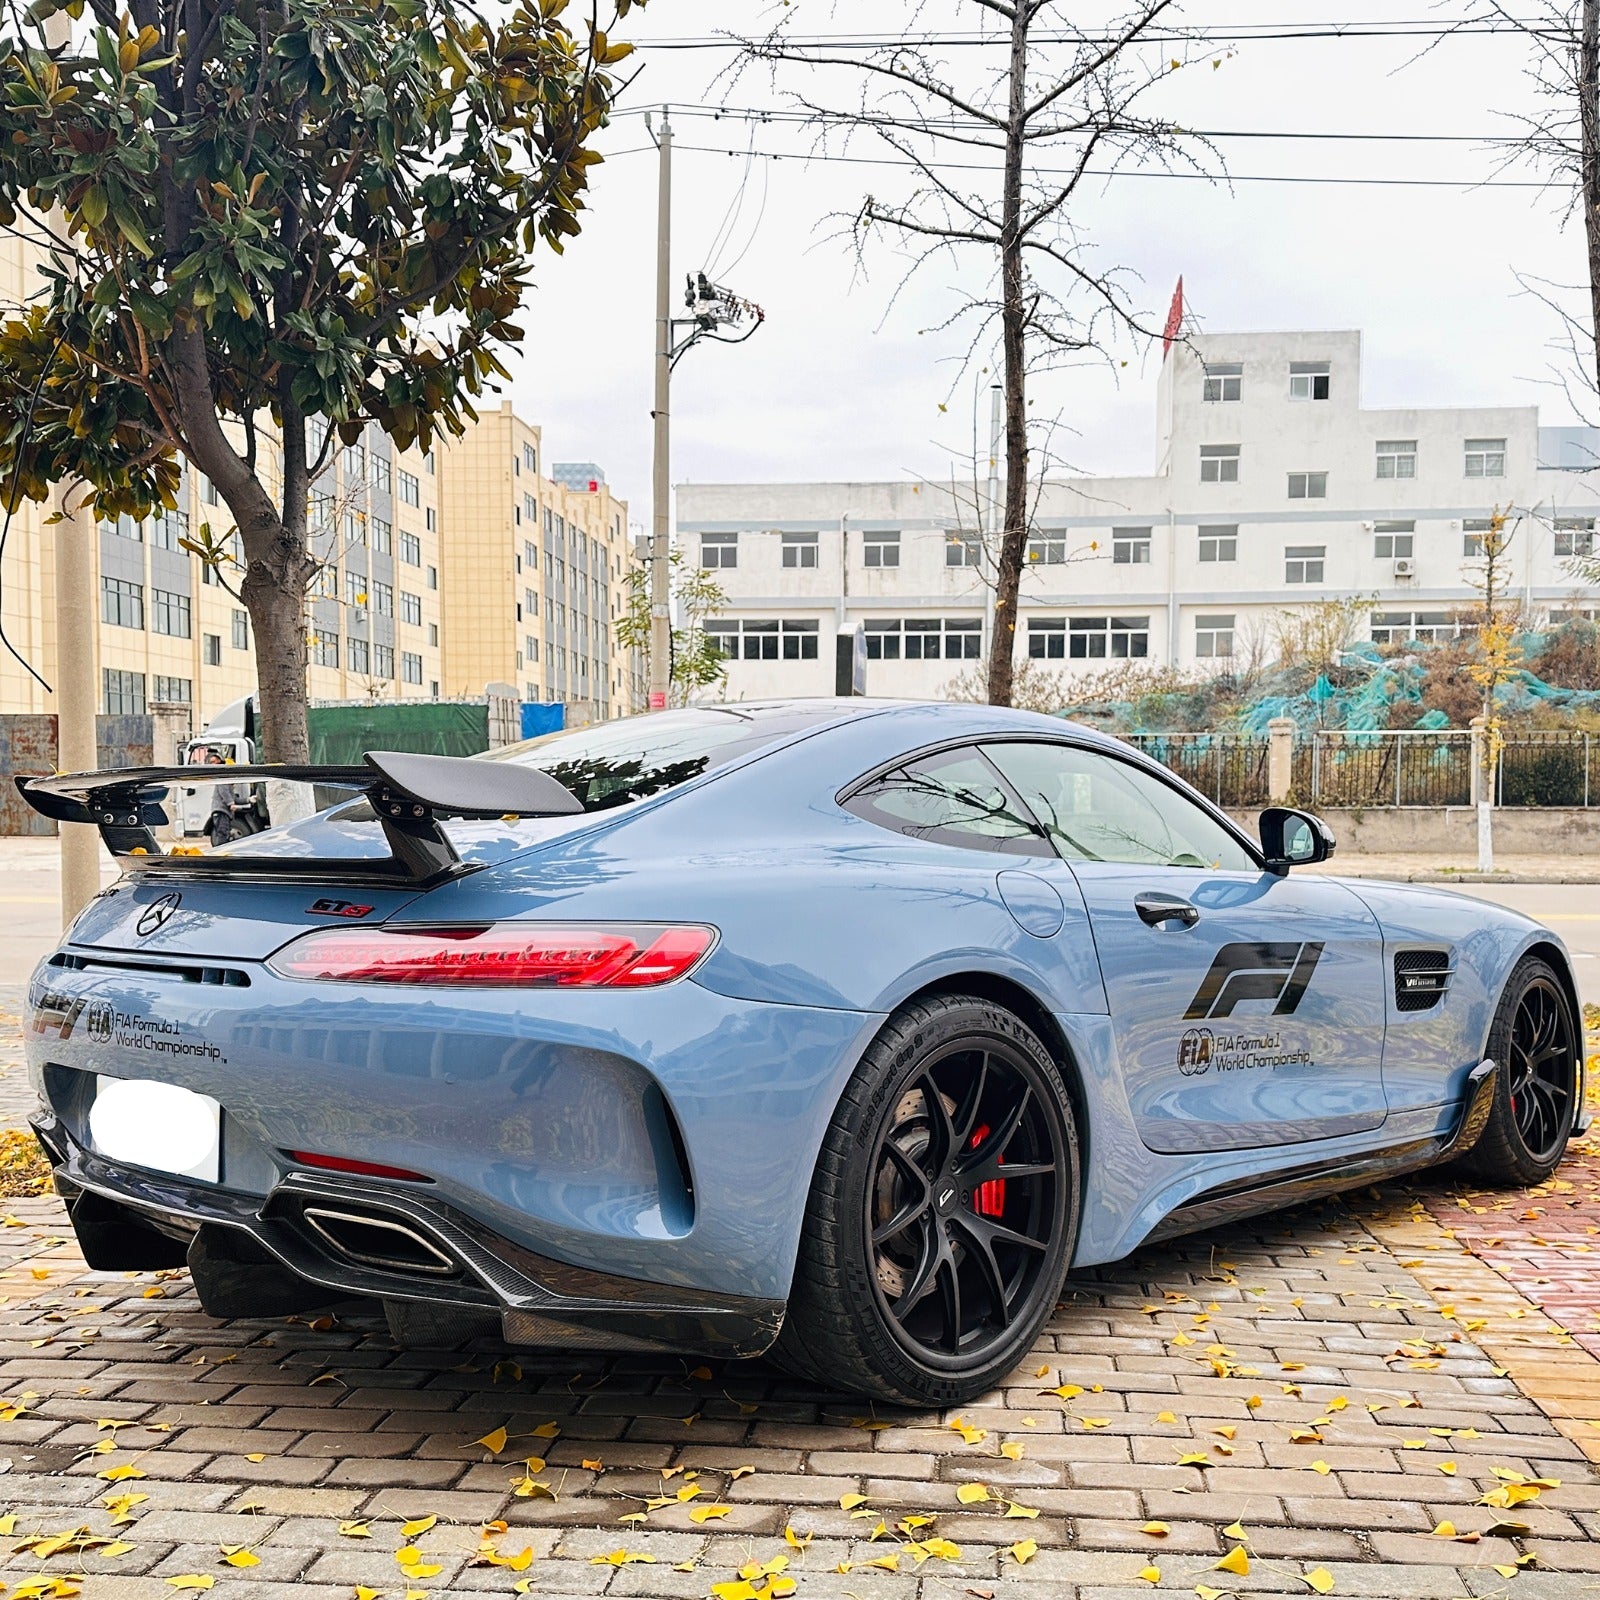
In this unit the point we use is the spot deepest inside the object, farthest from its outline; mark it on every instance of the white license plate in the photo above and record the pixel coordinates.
(157, 1125)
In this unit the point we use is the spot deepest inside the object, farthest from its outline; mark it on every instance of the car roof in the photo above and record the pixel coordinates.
(963, 716)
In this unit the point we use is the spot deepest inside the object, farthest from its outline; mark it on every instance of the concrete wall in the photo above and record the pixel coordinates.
(28, 749)
(1451, 833)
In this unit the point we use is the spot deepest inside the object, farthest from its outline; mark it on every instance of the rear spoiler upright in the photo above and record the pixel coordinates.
(409, 795)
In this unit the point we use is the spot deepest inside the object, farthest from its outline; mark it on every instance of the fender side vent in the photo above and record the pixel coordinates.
(1421, 979)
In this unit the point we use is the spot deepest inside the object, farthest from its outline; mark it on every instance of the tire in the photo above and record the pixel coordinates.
(924, 1275)
(1534, 1040)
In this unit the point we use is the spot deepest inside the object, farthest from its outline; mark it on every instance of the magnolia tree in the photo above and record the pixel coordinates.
(265, 226)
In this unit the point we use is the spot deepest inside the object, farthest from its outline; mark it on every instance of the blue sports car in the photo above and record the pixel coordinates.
(839, 1029)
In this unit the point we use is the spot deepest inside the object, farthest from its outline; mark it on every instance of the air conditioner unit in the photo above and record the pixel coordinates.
(1405, 567)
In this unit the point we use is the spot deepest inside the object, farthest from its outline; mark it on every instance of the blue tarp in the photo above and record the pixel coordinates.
(542, 716)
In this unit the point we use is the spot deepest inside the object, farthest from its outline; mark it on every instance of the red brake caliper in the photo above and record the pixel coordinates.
(990, 1200)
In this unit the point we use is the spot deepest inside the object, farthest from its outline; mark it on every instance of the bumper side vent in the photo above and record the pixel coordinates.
(1421, 979)
(183, 971)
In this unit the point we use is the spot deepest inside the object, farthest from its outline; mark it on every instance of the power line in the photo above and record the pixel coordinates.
(1237, 33)
(1120, 172)
(856, 119)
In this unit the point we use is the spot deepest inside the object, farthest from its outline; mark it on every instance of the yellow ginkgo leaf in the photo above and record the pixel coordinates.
(619, 1558)
(1166, 1416)
(1023, 1551)
(1236, 1561)
(971, 1493)
(494, 1442)
(364, 1593)
(1235, 1530)
(1012, 1450)
(736, 1589)
(593, 1465)
(547, 1430)
(709, 1513)
(356, 1530)
(417, 1526)
(122, 1474)
(848, 1502)
(261, 1457)
(1157, 1530)
(1320, 1579)
(1150, 1574)
(969, 1434)
(1322, 1467)
(238, 1556)
(1015, 1510)
(192, 1580)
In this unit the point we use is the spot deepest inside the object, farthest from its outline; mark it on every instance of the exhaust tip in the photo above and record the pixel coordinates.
(379, 1241)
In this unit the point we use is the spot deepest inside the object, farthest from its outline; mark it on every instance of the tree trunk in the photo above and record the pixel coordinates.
(1013, 319)
(276, 602)
(1589, 124)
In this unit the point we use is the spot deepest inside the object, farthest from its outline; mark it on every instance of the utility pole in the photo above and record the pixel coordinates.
(77, 635)
(661, 488)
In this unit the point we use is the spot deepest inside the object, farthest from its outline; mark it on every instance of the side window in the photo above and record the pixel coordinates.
(1096, 808)
(951, 798)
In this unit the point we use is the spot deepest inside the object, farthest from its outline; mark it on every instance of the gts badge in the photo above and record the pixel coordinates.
(1276, 972)
(338, 908)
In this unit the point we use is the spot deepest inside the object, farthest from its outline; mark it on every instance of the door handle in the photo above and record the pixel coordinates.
(1154, 909)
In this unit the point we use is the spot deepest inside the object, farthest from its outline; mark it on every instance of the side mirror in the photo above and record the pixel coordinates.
(1294, 839)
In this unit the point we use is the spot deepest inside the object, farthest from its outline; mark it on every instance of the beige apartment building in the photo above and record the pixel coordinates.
(526, 572)
(533, 583)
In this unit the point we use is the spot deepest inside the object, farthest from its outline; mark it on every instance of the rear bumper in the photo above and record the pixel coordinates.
(464, 1266)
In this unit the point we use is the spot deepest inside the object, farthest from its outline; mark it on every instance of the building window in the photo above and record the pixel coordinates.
(1047, 638)
(211, 649)
(178, 691)
(530, 648)
(1223, 381)
(1575, 536)
(383, 661)
(431, 517)
(355, 588)
(530, 509)
(530, 458)
(1392, 540)
(1213, 636)
(325, 583)
(1102, 638)
(1397, 458)
(880, 547)
(1486, 458)
(433, 577)
(410, 667)
(124, 527)
(1219, 463)
(167, 527)
(799, 549)
(382, 473)
(355, 527)
(208, 491)
(410, 549)
(124, 692)
(411, 608)
(1130, 547)
(1219, 542)
(121, 603)
(1302, 563)
(427, 461)
(241, 630)
(925, 639)
(433, 634)
(1473, 532)
(1308, 380)
(383, 600)
(359, 654)
(319, 511)
(961, 550)
(718, 551)
(169, 614)
(410, 488)
(1308, 485)
(1047, 550)
(1398, 627)
(749, 640)
(382, 536)
(355, 463)
(324, 647)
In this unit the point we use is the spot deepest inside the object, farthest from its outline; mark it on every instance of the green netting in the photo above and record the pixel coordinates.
(341, 735)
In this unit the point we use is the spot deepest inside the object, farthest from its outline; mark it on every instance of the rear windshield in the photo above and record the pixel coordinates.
(611, 763)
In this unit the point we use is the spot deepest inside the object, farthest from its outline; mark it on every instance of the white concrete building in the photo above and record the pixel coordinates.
(1274, 488)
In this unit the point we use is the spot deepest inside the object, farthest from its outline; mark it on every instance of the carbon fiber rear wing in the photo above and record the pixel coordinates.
(409, 796)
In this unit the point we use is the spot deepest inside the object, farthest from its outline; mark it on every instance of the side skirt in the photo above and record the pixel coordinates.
(1249, 1197)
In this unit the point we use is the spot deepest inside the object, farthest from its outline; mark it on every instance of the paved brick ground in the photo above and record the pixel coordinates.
(1321, 1392)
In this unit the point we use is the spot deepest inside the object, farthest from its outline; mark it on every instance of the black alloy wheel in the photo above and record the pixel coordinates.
(1539, 1079)
(968, 1174)
(1535, 1044)
(943, 1212)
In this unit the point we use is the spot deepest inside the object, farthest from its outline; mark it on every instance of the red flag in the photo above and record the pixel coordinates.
(1174, 319)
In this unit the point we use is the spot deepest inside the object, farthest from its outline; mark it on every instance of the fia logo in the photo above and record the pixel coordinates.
(1194, 1052)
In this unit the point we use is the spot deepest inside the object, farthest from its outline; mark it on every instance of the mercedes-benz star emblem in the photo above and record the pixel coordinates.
(157, 914)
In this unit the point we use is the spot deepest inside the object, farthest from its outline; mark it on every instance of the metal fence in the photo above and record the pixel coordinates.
(1389, 768)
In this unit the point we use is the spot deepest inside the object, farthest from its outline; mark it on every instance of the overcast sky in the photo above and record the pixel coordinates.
(841, 384)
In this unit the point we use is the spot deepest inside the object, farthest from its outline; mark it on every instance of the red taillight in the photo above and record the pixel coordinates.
(365, 1169)
(505, 955)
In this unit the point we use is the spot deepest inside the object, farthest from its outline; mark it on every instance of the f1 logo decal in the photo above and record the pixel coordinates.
(1277, 972)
